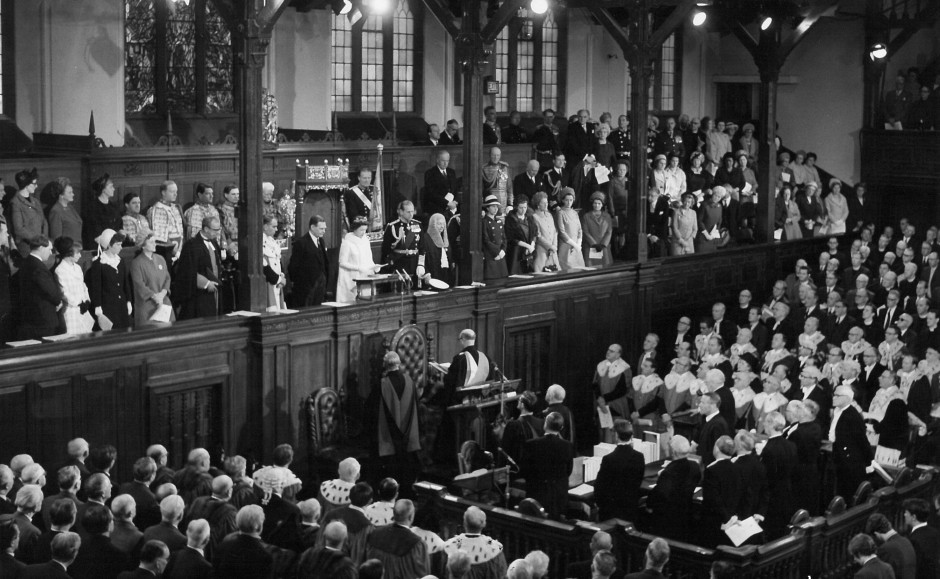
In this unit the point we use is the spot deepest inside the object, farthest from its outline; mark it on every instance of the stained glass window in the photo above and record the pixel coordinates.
(139, 58)
(374, 63)
(177, 57)
(529, 63)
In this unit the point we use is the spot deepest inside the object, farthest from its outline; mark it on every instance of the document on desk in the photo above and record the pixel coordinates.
(743, 530)
(603, 415)
(581, 490)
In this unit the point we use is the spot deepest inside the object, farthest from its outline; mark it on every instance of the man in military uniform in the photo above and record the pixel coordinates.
(620, 138)
(545, 138)
(513, 133)
(496, 178)
(402, 242)
(555, 179)
(669, 141)
(358, 198)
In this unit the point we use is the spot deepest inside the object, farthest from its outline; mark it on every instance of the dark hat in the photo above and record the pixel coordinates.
(597, 195)
(520, 199)
(750, 359)
(490, 200)
(100, 183)
(25, 177)
(727, 156)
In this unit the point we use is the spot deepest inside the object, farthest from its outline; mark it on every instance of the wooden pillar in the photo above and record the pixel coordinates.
(252, 46)
(641, 69)
(767, 153)
(472, 56)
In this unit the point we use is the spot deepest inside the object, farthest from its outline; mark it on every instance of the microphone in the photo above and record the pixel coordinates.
(506, 456)
(406, 278)
(400, 278)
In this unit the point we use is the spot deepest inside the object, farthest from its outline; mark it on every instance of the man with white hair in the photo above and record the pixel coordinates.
(657, 555)
(671, 499)
(191, 562)
(779, 458)
(600, 541)
(555, 402)
(851, 452)
(242, 555)
(18, 463)
(78, 452)
(518, 569)
(309, 525)
(489, 559)
(329, 560)
(64, 549)
(171, 513)
(98, 491)
(194, 480)
(217, 511)
(6, 488)
(610, 386)
(335, 493)
(68, 482)
(527, 183)
(125, 535)
(164, 474)
(28, 501)
(402, 553)
(538, 563)
(604, 565)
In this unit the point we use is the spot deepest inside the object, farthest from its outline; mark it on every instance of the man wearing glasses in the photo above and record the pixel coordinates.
(196, 283)
(851, 452)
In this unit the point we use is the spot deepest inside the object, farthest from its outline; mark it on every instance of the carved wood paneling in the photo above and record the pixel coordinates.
(186, 418)
(528, 352)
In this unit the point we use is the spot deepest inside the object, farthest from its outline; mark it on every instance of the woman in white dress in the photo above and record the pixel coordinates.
(546, 244)
(76, 302)
(837, 207)
(355, 261)
(271, 251)
(569, 232)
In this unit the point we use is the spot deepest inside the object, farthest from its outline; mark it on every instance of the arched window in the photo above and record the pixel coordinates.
(178, 58)
(376, 61)
(530, 63)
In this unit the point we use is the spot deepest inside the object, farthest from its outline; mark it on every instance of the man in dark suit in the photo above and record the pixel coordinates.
(9, 566)
(579, 141)
(931, 274)
(218, 511)
(862, 550)
(148, 511)
(40, 295)
(529, 182)
(779, 458)
(434, 136)
(167, 531)
(98, 558)
(439, 182)
(924, 538)
(713, 425)
(69, 480)
(671, 499)
(555, 178)
(868, 379)
(61, 520)
(722, 489)
(28, 501)
(492, 133)
(450, 135)
(755, 496)
(839, 324)
(851, 452)
(895, 550)
(358, 526)
(807, 438)
(811, 389)
(196, 279)
(546, 465)
(727, 329)
(617, 488)
(309, 265)
(125, 535)
(600, 541)
(242, 555)
(657, 555)
(64, 550)
(153, 558)
(189, 563)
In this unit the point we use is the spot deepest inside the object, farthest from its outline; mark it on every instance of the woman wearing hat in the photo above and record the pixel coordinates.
(26, 214)
(837, 208)
(709, 222)
(100, 213)
(64, 220)
(598, 228)
(717, 144)
(494, 241)
(675, 179)
(569, 232)
(788, 217)
(811, 210)
(109, 285)
(684, 226)
(697, 179)
(747, 141)
(782, 172)
(437, 258)
(521, 236)
(658, 174)
(151, 278)
(75, 299)
(730, 176)
(355, 260)
(546, 243)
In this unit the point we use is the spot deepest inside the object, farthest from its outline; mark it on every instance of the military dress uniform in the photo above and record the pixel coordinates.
(545, 138)
(494, 241)
(401, 245)
(496, 181)
(621, 142)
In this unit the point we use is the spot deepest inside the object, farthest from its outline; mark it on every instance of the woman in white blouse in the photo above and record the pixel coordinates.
(76, 302)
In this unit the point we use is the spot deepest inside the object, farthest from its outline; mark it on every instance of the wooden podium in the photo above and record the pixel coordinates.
(480, 405)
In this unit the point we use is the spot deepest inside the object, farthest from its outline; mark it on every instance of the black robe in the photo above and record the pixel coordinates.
(195, 261)
(109, 289)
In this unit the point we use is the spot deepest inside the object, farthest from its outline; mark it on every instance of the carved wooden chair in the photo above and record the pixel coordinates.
(326, 425)
(411, 345)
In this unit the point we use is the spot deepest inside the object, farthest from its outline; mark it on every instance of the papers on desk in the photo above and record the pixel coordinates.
(58, 337)
(420, 293)
(743, 530)
(592, 465)
(244, 314)
(443, 368)
(606, 420)
(602, 449)
(520, 276)
(463, 287)
(18, 343)
(649, 450)
(336, 304)
(287, 311)
(581, 490)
